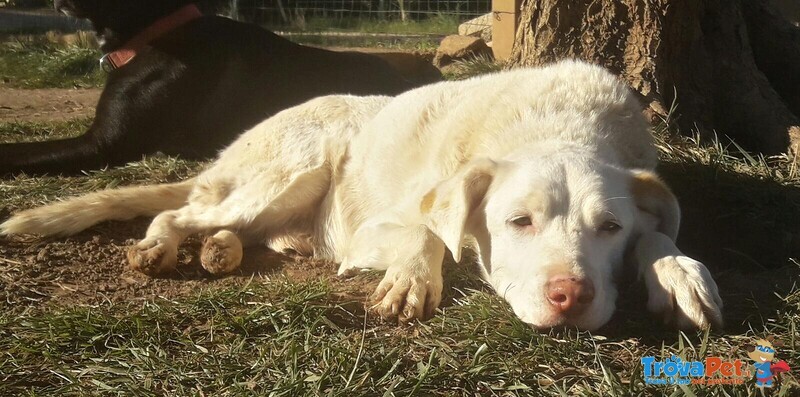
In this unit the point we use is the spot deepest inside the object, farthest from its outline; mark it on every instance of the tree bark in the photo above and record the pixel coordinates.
(694, 53)
(776, 49)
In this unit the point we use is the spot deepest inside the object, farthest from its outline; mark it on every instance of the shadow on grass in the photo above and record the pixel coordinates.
(744, 229)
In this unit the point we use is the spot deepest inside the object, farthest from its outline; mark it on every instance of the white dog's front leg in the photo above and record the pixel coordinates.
(680, 288)
(412, 257)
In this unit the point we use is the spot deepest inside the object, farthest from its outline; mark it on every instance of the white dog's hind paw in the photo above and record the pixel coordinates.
(407, 296)
(153, 257)
(347, 270)
(682, 290)
(221, 253)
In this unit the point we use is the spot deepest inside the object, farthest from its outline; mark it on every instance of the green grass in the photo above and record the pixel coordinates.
(406, 35)
(438, 24)
(23, 191)
(427, 44)
(27, 131)
(284, 338)
(38, 65)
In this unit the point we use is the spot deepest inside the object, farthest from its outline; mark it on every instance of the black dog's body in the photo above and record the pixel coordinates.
(195, 90)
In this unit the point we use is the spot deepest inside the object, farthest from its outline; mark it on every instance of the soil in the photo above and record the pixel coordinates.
(46, 105)
(90, 269)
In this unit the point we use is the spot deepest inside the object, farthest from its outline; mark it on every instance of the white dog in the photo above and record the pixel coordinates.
(545, 173)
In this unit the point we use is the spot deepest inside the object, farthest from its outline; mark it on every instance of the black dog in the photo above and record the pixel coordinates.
(193, 88)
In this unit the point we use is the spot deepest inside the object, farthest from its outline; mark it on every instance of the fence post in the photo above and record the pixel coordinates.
(233, 6)
(505, 20)
(403, 14)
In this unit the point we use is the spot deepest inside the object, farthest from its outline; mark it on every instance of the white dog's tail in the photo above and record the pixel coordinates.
(76, 214)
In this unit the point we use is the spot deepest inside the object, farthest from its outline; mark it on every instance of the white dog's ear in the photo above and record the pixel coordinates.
(652, 196)
(446, 208)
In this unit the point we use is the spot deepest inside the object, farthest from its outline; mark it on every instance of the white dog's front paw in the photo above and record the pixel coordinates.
(682, 290)
(406, 295)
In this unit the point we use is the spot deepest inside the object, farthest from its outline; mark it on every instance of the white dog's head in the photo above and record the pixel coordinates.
(551, 230)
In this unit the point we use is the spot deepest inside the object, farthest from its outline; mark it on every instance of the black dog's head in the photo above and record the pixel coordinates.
(117, 21)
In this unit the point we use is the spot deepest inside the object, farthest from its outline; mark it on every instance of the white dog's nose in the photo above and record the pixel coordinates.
(569, 294)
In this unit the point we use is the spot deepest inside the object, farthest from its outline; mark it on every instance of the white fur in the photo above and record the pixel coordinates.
(388, 183)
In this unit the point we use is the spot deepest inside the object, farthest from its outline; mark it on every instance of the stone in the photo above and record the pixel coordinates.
(455, 47)
(478, 27)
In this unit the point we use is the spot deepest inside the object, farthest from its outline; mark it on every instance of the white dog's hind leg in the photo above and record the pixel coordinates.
(221, 253)
(412, 257)
(246, 209)
(157, 253)
(680, 288)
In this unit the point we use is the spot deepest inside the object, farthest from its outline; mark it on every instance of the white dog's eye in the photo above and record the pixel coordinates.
(522, 221)
(609, 227)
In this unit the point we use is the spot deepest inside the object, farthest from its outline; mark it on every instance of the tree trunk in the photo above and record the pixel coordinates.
(731, 66)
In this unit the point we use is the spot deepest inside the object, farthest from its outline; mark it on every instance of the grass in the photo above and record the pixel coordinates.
(42, 65)
(22, 191)
(470, 67)
(426, 44)
(420, 35)
(27, 131)
(282, 337)
(441, 24)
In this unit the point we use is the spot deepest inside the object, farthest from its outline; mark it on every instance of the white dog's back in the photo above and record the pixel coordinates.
(438, 128)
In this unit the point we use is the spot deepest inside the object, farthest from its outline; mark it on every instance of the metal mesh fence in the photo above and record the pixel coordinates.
(359, 15)
(382, 23)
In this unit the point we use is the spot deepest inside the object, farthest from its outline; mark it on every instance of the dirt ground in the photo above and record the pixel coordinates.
(43, 105)
(90, 269)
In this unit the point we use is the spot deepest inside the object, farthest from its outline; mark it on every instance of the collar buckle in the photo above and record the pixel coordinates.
(107, 64)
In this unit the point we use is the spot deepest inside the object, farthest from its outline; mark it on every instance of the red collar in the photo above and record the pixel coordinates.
(117, 59)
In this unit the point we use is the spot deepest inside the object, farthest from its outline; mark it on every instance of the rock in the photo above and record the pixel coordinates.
(478, 27)
(455, 47)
